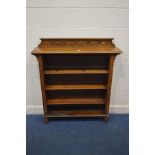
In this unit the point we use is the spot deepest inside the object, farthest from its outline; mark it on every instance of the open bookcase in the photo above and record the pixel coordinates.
(76, 76)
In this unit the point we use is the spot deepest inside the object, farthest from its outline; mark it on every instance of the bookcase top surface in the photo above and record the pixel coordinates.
(76, 46)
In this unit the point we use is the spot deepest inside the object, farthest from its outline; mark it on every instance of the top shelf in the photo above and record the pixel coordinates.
(76, 46)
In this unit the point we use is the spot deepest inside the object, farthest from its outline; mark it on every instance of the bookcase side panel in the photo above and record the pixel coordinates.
(111, 65)
(42, 82)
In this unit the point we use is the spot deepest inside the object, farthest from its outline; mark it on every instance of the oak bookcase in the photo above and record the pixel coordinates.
(76, 76)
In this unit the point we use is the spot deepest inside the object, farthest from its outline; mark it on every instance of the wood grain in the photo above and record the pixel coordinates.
(76, 46)
(75, 87)
(76, 101)
(58, 47)
(111, 63)
(76, 113)
(42, 82)
(73, 50)
(77, 71)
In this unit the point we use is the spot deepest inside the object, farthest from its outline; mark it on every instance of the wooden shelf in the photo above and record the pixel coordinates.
(76, 50)
(76, 101)
(76, 76)
(76, 71)
(76, 113)
(75, 86)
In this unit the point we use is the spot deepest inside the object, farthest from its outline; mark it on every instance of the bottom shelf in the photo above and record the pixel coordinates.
(75, 113)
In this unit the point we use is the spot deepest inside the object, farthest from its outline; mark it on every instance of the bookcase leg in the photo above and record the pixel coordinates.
(105, 119)
(45, 120)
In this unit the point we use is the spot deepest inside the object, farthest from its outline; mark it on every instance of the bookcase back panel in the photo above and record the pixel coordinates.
(76, 79)
(77, 107)
(76, 94)
(72, 61)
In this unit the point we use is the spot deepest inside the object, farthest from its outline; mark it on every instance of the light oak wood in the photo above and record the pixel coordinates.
(42, 82)
(102, 49)
(77, 71)
(75, 87)
(76, 101)
(76, 46)
(63, 50)
(111, 64)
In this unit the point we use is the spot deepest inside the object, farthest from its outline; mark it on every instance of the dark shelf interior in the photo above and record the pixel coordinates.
(95, 68)
(76, 79)
(75, 94)
(80, 61)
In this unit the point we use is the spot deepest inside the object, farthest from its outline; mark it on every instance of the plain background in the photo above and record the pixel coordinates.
(78, 19)
(13, 77)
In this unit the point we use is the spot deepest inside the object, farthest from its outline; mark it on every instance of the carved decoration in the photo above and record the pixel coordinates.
(74, 43)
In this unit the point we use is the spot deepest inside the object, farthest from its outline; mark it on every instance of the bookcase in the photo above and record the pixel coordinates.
(76, 76)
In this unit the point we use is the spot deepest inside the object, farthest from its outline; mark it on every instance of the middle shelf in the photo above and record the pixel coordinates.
(76, 71)
(74, 86)
(76, 101)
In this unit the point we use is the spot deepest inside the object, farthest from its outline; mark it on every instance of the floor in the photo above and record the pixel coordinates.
(78, 136)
